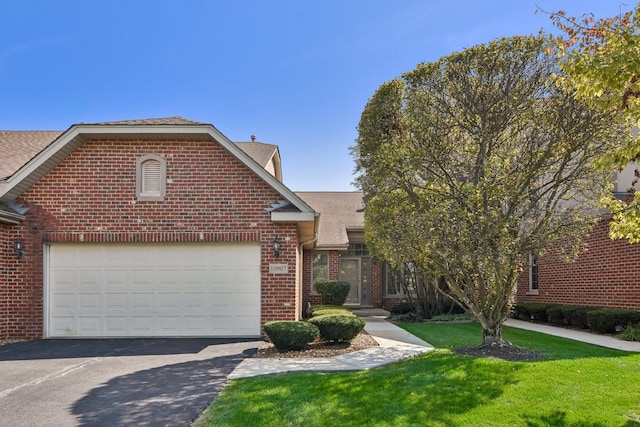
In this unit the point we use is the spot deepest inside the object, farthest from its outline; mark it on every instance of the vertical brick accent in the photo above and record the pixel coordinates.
(90, 197)
(606, 275)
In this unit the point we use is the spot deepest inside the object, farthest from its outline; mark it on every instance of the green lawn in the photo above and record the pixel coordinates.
(575, 385)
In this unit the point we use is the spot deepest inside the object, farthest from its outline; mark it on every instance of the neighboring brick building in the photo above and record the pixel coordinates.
(607, 274)
(164, 227)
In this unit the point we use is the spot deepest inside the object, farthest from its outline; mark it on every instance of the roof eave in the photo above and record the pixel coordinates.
(11, 218)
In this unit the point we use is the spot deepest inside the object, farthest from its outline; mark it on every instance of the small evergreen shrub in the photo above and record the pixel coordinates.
(577, 315)
(403, 308)
(457, 317)
(287, 335)
(337, 327)
(534, 310)
(605, 320)
(337, 310)
(556, 316)
(630, 333)
(333, 292)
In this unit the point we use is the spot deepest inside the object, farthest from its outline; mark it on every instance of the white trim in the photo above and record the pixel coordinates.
(292, 216)
(46, 253)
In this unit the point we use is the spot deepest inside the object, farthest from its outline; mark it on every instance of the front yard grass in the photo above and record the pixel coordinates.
(574, 385)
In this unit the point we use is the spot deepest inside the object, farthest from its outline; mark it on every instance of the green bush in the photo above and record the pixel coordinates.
(605, 320)
(577, 315)
(338, 327)
(534, 310)
(336, 310)
(556, 316)
(456, 317)
(287, 335)
(630, 333)
(403, 308)
(333, 292)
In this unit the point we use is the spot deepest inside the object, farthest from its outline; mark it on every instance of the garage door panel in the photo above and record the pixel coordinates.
(116, 299)
(89, 326)
(90, 300)
(154, 290)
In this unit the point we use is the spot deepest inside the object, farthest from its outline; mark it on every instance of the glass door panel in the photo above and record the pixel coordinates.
(350, 272)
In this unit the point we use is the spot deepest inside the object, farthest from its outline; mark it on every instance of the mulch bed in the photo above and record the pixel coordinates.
(320, 348)
(511, 353)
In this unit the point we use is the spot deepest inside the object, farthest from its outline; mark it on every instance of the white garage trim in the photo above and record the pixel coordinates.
(140, 290)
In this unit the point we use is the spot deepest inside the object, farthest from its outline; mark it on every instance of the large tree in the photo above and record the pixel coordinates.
(471, 162)
(601, 60)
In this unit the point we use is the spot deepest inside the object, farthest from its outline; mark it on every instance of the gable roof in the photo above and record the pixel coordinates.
(174, 120)
(43, 150)
(340, 212)
(259, 151)
(18, 147)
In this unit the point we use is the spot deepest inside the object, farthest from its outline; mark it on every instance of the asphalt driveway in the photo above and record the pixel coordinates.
(114, 382)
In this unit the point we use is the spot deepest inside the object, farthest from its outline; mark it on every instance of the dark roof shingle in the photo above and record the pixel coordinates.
(339, 212)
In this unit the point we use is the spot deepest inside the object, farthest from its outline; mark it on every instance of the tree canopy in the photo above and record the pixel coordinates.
(602, 63)
(470, 162)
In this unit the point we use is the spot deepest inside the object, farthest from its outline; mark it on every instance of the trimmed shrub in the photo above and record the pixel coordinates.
(534, 310)
(325, 311)
(605, 320)
(333, 292)
(556, 316)
(287, 335)
(577, 315)
(403, 308)
(337, 327)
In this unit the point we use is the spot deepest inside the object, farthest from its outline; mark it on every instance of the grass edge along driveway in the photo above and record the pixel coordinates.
(576, 384)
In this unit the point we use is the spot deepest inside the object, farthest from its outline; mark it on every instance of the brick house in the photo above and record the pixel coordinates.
(159, 227)
(606, 275)
(164, 227)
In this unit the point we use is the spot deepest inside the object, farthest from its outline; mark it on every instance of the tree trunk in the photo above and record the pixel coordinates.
(492, 335)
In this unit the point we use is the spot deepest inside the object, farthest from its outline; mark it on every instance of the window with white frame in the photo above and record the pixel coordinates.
(151, 178)
(319, 269)
(533, 272)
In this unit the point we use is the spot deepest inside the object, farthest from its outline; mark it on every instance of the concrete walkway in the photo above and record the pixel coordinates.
(396, 344)
(595, 339)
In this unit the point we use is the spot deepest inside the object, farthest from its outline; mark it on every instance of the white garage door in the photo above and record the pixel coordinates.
(142, 290)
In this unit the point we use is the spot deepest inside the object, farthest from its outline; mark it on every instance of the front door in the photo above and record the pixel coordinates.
(355, 270)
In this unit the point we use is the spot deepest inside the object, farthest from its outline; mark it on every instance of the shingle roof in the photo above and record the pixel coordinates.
(258, 151)
(18, 147)
(175, 120)
(339, 212)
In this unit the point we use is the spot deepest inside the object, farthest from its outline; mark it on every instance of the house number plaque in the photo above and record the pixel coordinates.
(278, 268)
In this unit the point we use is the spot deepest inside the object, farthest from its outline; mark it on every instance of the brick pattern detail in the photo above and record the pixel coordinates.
(90, 198)
(606, 275)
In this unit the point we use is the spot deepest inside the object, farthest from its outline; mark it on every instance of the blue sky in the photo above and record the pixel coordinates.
(295, 73)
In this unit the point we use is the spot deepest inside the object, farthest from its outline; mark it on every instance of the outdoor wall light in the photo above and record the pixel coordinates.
(18, 248)
(276, 247)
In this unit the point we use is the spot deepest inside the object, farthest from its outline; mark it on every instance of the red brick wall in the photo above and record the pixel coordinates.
(90, 196)
(606, 275)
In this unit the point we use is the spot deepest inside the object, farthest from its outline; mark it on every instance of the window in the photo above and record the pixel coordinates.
(533, 273)
(356, 249)
(151, 179)
(319, 269)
